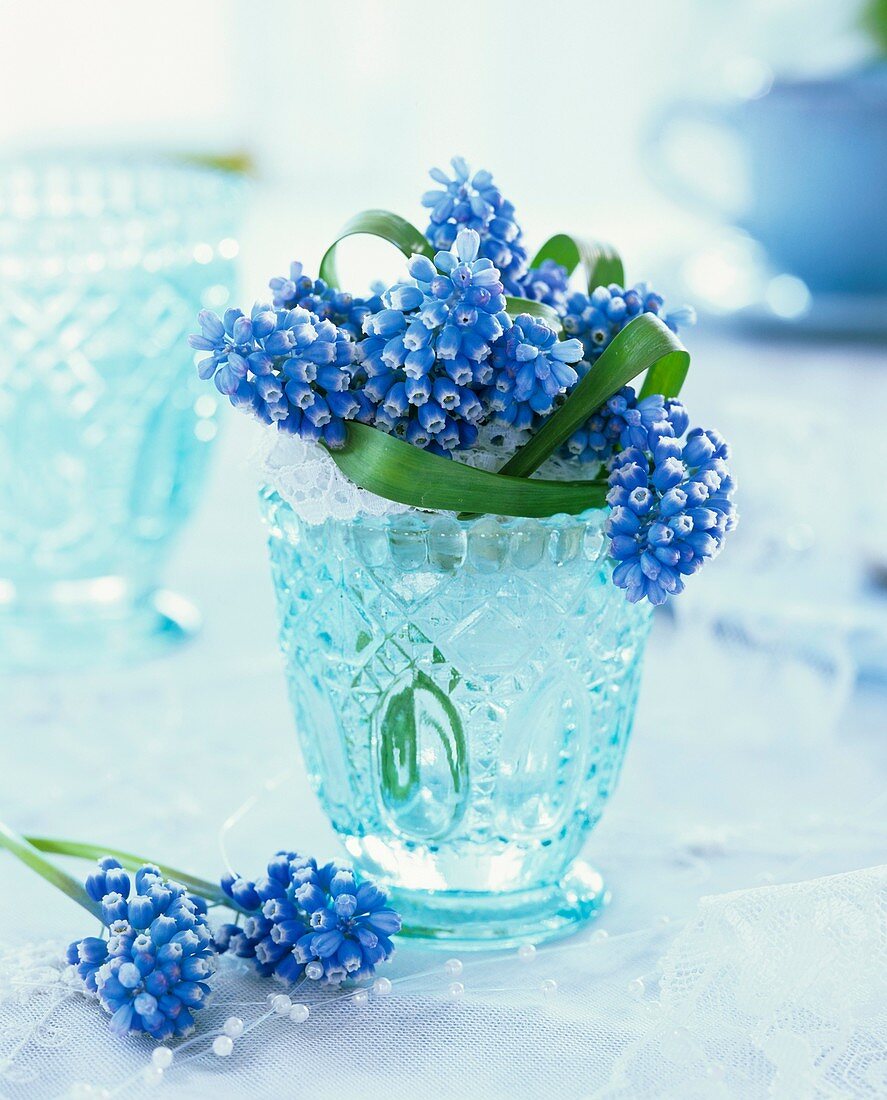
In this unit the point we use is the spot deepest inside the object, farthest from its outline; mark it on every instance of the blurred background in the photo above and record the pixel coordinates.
(734, 151)
(343, 107)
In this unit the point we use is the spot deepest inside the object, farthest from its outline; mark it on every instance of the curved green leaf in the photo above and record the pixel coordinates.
(601, 262)
(666, 377)
(396, 470)
(376, 223)
(606, 267)
(644, 344)
(563, 249)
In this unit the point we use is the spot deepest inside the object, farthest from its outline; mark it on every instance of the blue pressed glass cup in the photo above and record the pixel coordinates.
(104, 428)
(464, 691)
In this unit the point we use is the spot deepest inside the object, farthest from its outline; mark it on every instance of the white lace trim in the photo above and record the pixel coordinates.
(312, 484)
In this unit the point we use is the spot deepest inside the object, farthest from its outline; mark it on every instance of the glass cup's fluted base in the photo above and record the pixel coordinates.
(90, 622)
(481, 921)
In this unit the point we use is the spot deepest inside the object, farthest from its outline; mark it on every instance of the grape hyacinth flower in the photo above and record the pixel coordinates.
(321, 922)
(425, 357)
(671, 506)
(286, 367)
(532, 370)
(476, 203)
(622, 421)
(329, 304)
(547, 283)
(151, 973)
(596, 318)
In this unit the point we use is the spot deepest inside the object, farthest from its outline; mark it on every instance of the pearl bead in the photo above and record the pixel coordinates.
(456, 990)
(549, 987)
(299, 1013)
(453, 967)
(223, 1045)
(281, 1004)
(382, 986)
(636, 987)
(233, 1026)
(360, 998)
(663, 920)
(162, 1057)
(599, 935)
(153, 1076)
(314, 970)
(526, 952)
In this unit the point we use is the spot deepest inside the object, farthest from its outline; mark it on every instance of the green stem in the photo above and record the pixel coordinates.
(29, 854)
(210, 891)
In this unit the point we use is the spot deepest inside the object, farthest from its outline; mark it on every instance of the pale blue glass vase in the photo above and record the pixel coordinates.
(464, 692)
(104, 428)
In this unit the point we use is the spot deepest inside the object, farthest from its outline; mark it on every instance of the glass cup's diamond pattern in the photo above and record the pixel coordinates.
(464, 724)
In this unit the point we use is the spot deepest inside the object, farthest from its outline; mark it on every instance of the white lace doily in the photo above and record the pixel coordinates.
(312, 484)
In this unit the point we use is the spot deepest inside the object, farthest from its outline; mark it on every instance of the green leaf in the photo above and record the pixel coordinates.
(396, 470)
(644, 344)
(376, 223)
(605, 268)
(666, 377)
(601, 262)
(210, 891)
(29, 854)
(515, 306)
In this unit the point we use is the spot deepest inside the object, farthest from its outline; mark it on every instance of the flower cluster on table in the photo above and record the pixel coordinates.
(439, 355)
(299, 921)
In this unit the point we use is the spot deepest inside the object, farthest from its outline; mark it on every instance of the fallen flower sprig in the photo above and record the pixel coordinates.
(151, 968)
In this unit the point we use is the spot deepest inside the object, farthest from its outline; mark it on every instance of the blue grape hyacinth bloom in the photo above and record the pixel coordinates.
(671, 505)
(345, 310)
(287, 367)
(532, 369)
(300, 913)
(620, 422)
(468, 201)
(596, 318)
(152, 972)
(426, 356)
(548, 283)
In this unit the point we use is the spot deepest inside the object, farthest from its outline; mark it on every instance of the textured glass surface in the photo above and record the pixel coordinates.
(104, 428)
(464, 691)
